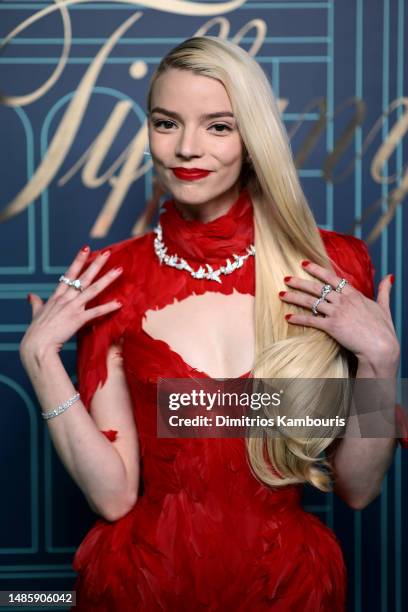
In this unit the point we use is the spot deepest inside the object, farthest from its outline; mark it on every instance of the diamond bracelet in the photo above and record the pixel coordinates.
(61, 407)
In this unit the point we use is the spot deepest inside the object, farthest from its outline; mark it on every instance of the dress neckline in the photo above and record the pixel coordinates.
(213, 241)
(175, 355)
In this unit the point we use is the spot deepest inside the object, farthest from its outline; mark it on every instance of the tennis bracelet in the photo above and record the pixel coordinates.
(61, 407)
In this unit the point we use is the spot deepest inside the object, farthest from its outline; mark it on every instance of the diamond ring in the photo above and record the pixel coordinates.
(71, 283)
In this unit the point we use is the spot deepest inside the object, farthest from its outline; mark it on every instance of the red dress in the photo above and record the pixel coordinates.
(205, 534)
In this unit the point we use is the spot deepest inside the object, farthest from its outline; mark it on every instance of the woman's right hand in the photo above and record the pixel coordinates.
(57, 320)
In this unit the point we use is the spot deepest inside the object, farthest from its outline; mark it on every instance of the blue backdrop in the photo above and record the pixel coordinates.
(73, 81)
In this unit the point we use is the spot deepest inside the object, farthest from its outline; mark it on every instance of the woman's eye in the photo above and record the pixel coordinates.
(161, 121)
(166, 124)
(222, 125)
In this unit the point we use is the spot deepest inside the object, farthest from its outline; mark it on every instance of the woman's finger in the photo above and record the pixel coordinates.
(97, 260)
(100, 310)
(73, 271)
(384, 290)
(307, 301)
(95, 288)
(92, 270)
(326, 276)
(313, 288)
(308, 321)
(36, 303)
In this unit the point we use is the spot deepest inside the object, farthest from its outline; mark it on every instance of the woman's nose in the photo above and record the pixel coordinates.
(189, 144)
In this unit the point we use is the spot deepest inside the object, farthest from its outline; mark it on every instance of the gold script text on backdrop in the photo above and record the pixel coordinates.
(130, 159)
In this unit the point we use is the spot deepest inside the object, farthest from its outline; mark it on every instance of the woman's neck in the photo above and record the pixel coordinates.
(212, 242)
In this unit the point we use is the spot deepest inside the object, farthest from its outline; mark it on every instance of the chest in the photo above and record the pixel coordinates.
(212, 332)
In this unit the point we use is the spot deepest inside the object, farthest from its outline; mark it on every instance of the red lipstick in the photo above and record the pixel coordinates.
(190, 174)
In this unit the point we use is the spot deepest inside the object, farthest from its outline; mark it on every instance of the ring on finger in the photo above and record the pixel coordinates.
(315, 305)
(341, 284)
(325, 291)
(76, 283)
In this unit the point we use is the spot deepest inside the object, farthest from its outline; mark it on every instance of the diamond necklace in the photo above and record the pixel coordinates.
(175, 261)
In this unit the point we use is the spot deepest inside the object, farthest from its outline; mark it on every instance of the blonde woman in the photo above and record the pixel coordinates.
(212, 524)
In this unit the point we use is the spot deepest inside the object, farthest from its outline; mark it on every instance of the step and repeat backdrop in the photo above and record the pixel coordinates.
(73, 82)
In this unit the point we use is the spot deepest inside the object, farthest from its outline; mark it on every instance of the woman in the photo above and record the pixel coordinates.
(214, 524)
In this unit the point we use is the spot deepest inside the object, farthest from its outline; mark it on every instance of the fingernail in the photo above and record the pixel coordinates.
(392, 278)
(85, 248)
(118, 303)
(305, 262)
(287, 279)
(105, 253)
(287, 316)
(282, 293)
(29, 297)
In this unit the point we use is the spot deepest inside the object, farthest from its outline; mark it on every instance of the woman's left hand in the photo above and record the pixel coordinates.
(361, 325)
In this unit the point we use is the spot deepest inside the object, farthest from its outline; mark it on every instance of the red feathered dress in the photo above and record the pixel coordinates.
(204, 534)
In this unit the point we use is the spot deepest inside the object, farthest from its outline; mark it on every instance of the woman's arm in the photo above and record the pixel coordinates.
(360, 464)
(365, 328)
(106, 472)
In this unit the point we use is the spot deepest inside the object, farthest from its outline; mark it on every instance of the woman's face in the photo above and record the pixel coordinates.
(181, 135)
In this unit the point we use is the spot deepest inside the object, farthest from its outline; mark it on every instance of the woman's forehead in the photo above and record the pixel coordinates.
(181, 86)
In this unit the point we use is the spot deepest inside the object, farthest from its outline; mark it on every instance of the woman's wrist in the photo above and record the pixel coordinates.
(374, 368)
(37, 356)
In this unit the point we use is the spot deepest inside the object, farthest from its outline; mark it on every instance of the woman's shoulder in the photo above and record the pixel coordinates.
(124, 251)
(131, 254)
(338, 240)
(350, 258)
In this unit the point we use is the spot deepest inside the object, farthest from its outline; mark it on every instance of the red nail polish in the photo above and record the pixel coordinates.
(287, 279)
(29, 297)
(85, 248)
(305, 262)
(392, 278)
(287, 316)
(281, 293)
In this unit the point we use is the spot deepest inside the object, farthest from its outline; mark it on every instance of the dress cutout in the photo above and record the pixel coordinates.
(204, 534)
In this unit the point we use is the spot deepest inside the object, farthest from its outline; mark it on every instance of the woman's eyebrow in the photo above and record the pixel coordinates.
(159, 109)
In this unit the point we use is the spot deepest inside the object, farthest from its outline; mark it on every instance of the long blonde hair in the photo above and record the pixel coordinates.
(285, 233)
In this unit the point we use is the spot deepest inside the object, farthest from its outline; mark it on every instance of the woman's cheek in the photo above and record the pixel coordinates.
(231, 154)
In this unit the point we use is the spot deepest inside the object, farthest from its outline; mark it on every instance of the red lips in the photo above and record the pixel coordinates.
(190, 174)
